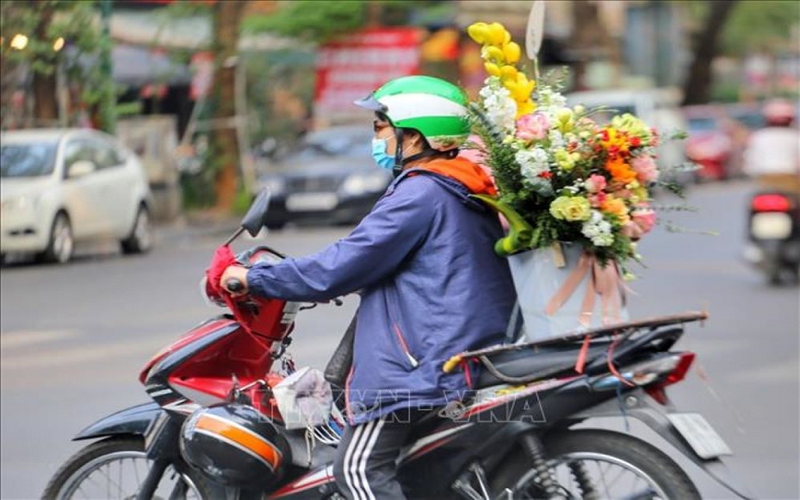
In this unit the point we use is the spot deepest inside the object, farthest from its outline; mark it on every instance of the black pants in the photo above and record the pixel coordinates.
(365, 466)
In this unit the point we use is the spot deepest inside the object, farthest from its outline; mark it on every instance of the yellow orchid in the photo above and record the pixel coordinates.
(478, 32)
(493, 53)
(492, 68)
(521, 88)
(511, 51)
(497, 35)
(525, 108)
(508, 73)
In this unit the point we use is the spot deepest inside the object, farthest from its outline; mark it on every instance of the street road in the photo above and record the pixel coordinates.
(73, 339)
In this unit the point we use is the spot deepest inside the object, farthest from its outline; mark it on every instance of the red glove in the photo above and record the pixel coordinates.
(223, 258)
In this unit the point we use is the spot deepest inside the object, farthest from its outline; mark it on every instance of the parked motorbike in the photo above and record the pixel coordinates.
(773, 225)
(513, 436)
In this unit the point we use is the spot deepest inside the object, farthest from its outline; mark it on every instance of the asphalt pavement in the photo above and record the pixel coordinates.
(73, 338)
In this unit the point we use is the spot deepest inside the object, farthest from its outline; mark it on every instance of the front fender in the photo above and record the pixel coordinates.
(134, 420)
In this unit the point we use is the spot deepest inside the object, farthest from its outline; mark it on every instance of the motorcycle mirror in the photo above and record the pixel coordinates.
(256, 216)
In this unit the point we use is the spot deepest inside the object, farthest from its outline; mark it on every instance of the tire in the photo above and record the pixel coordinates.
(61, 243)
(77, 473)
(140, 239)
(662, 477)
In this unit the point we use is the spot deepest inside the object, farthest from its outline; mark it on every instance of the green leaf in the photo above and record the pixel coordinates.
(520, 233)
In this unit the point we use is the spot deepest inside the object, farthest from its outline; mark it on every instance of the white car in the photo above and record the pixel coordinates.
(59, 187)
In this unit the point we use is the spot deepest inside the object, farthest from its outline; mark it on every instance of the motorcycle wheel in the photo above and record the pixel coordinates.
(594, 464)
(114, 469)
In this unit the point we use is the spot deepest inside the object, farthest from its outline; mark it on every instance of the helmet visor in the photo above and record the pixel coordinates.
(371, 104)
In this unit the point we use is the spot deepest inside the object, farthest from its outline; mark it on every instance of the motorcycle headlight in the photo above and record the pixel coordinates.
(363, 183)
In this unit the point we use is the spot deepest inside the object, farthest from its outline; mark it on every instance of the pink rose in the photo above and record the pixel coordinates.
(632, 231)
(595, 183)
(533, 127)
(645, 218)
(625, 194)
(596, 200)
(645, 168)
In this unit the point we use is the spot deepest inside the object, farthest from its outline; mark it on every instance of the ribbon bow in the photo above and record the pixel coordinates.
(603, 281)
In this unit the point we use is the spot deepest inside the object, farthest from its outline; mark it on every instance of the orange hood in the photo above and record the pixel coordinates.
(470, 174)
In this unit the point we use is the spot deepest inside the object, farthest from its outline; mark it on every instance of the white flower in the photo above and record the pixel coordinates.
(533, 162)
(501, 109)
(550, 102)
(556, 139)
(598, 230)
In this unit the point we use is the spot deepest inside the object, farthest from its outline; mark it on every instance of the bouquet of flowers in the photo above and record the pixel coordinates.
(561, 176)
(566, 181)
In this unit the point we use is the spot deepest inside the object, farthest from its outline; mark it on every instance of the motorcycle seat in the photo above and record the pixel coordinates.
(540, 363)
(552, 360)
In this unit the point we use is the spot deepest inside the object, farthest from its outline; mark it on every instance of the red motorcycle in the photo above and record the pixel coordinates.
(215, 430)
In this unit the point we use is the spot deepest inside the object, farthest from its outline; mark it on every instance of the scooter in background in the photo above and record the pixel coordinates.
(773, 229)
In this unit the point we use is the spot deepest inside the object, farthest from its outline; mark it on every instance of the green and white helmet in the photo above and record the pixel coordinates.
(435, 108)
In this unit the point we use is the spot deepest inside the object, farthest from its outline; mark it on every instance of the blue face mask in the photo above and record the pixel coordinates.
(379, 154)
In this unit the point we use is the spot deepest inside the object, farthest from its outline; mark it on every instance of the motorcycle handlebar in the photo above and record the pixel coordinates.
(234, 285)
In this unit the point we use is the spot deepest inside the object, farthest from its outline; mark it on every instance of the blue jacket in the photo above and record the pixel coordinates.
(431, 287)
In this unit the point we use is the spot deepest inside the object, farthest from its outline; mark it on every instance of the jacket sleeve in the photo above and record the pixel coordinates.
(397, 224)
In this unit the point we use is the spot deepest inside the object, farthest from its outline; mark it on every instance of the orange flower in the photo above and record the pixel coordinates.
(615, 206)
(613, 141)
(620, 171)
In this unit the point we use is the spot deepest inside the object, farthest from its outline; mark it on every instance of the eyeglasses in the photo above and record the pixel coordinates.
(378, 125)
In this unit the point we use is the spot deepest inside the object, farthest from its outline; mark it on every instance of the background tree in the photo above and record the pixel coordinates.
(319, 22)
(705, 47)
(760, 25)
(735, 28)
(303, 20)
(227, 17)
(62, 35)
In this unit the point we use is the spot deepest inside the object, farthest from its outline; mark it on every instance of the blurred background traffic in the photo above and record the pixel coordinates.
(144, 127)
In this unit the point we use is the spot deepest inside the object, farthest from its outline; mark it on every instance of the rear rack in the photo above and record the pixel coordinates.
(625, 329)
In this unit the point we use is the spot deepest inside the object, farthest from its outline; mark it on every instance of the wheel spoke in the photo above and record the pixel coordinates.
(605, 476)
(119, 475)
(620, 473)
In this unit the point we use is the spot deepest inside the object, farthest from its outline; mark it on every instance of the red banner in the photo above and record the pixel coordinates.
(351, 68)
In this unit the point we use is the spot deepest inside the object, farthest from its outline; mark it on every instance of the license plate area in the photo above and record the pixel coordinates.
(311, 202)
(771, 226)
(700, 435)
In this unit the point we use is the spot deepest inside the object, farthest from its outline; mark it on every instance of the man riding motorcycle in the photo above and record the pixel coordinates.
(773, 157)
(773, 154)
(430, 282)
